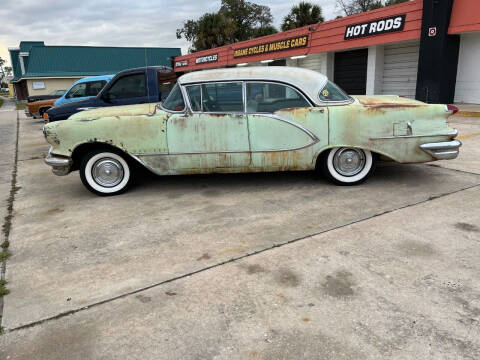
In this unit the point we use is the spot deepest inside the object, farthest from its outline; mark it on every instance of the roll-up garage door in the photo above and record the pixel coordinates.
(350, 72)
(467, 89)
(312, 62)
(400, 69)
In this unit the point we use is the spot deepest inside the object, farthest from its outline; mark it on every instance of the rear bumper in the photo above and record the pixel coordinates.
(446, 150)
(60, 165)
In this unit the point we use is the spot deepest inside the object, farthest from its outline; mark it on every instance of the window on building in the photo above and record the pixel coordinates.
(129, 86)
(270, 97)
(174, 101)
(222, 97)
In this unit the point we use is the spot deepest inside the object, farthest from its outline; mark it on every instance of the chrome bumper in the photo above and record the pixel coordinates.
(442, 150)
(60, 165)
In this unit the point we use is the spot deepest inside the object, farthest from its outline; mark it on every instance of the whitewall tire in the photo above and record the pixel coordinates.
(105, 173)
(347, 166)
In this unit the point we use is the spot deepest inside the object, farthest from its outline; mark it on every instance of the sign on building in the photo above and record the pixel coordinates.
(375, 27)
(286, 44)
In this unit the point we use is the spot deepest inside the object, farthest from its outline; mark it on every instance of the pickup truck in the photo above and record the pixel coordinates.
(133, 86)
(53, 95)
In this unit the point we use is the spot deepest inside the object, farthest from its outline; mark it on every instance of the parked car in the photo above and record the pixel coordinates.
(247, 120)
(133, 86)
(53, 95)
(83, 89)
(38, 108)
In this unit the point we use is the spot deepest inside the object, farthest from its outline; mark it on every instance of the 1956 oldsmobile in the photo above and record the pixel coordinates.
(247, 120)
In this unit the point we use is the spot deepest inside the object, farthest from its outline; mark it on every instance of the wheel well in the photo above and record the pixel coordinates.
(80, 151)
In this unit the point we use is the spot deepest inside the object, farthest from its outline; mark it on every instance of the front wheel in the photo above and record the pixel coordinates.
(105, 173)
(347, 166)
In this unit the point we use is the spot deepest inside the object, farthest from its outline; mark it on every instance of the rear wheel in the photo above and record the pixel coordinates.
(347, 166)
(105, 173)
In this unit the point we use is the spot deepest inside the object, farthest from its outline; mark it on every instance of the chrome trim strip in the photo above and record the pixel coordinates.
(276, 117)
(446, 150)
(226, 152)
(452, 134)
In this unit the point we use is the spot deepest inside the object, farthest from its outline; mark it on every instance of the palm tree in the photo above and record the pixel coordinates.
(304, 13)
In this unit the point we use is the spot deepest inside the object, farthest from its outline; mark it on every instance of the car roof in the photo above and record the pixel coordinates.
(308, 81)
(95, 78)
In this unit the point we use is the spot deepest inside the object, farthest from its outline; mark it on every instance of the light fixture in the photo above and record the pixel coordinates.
(242, 64)
(298, 57)
(266, 61)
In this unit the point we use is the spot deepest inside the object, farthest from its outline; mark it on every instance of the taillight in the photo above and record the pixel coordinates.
(452, 108)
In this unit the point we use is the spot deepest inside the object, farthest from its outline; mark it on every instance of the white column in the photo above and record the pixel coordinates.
(328, 65)
(375, 70)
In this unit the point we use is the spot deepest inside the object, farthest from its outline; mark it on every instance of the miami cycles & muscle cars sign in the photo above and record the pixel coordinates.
(286, 44)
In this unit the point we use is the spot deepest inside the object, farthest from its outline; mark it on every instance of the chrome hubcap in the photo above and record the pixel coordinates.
(107, 172)
(349, 162)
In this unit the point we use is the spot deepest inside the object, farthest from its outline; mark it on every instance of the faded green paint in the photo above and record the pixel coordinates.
(202, 143)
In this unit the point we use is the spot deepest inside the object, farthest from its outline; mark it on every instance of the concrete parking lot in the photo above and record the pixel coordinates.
(250, 266)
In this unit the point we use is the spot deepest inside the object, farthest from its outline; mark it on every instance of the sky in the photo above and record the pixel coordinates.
(114, 23)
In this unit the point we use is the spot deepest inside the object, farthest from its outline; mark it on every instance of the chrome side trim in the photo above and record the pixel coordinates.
(446, 150)
(453, 134)
(276, 117)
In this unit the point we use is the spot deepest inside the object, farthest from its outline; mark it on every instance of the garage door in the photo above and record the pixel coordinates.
(313, 62)
(400, 69)
(350, 71)
(467, 89)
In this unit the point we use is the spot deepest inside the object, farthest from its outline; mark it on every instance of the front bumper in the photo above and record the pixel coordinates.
(27, 111)
(60, 165)
(446, 150)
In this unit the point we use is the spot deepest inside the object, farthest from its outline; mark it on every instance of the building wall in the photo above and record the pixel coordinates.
(467, 89)
(51, 84)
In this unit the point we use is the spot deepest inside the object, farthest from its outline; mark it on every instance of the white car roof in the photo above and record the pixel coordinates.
(308, 81)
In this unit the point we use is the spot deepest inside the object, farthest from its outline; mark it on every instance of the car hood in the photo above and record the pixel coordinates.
(387, 101)
(112, 111)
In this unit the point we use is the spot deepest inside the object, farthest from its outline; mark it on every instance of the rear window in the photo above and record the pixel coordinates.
(332, 92)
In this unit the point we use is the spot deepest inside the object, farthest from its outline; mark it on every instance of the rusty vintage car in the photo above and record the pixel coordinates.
(247, 120)
(36, 109)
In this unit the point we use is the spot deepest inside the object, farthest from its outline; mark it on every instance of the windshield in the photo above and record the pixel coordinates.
(332, 92)
(174, 101)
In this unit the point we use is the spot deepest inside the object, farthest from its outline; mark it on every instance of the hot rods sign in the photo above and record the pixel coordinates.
(375, 27)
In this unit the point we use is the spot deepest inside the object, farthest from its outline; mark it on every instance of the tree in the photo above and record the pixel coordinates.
(302, 14)
(236, 20)
(350, 7)
(8, 70)
(394, 2)
(210, 31)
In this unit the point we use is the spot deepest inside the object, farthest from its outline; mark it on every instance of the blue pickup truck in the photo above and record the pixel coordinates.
(133, 86)
(83, 89)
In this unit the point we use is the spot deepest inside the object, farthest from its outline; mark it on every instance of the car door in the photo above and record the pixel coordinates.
(280, 120)
(127, 90)
(214, 135)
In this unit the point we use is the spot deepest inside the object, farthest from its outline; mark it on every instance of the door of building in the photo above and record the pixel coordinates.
(350, 71)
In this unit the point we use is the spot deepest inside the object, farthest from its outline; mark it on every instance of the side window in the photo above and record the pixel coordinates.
(270, 97)
(129, 86)
(222, 97)
(77, 91)
(94, 87)
(195, 96)
(174, 101)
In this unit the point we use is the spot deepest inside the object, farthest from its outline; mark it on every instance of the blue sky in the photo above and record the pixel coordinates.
(114, 23)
